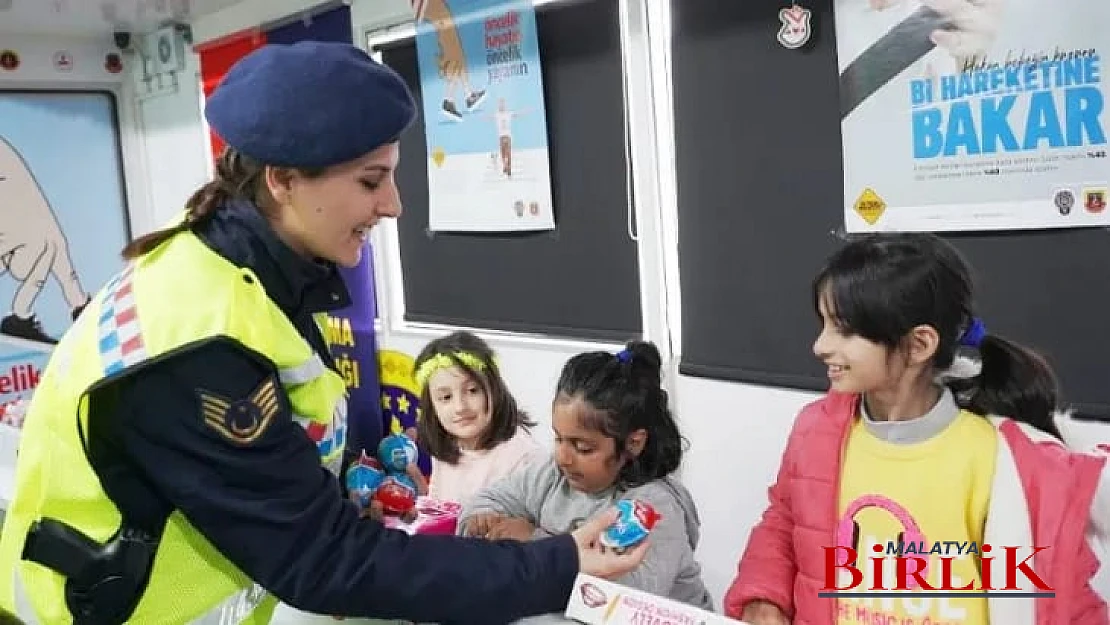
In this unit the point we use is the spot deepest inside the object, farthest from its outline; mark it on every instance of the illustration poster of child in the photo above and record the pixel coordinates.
(488, 166)
(63, 222)
(33, 247)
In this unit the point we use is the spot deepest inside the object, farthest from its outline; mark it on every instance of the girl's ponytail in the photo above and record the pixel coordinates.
(231, 181)
(1013, 382)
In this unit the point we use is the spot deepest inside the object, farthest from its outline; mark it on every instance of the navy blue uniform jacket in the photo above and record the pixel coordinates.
(274, 511)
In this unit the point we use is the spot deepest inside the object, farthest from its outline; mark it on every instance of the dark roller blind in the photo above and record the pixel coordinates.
(580, 280)
(760, 190)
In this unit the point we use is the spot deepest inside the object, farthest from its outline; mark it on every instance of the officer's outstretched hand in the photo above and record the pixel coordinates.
(594, 559)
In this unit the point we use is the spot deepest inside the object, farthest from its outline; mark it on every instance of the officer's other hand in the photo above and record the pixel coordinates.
(374, 511)
(594, 559)
(512, 529)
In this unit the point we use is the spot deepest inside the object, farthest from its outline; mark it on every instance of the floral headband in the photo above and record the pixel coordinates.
(445, 361)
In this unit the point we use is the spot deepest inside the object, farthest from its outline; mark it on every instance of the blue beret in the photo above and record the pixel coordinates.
(309, 104)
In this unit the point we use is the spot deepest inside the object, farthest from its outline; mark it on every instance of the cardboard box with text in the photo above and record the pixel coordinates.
(598, 602)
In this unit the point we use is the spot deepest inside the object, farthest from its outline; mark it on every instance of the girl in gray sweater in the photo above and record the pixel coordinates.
(615, 438)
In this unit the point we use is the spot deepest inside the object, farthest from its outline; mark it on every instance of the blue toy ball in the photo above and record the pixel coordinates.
(363, 479)
(396, 452)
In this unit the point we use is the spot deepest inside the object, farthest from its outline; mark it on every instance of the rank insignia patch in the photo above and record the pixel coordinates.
(241, 421)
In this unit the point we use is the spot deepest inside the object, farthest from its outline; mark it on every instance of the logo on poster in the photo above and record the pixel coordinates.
(1064, 201)
(1094, 200)
(870, 206)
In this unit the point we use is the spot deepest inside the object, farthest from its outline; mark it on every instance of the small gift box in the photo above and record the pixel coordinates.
(432, 517)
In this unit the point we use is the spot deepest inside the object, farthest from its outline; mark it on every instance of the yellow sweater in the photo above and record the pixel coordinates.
(941, 486)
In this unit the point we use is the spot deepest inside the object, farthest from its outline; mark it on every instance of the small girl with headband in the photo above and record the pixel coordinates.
(919, 446)
(469, 421)
(615, 438)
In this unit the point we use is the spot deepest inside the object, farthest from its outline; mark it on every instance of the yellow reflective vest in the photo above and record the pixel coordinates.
(177, 294)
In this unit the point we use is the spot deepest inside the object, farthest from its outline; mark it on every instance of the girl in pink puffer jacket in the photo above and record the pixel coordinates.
(909, 447)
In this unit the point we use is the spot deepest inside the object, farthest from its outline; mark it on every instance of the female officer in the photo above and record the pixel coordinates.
(170, 464)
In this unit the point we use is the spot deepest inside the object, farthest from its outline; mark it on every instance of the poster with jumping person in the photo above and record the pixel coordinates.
(484, 116)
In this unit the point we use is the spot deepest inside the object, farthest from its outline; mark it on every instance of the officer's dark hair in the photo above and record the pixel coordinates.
(506, 417)
(238, 177)
(623, 393)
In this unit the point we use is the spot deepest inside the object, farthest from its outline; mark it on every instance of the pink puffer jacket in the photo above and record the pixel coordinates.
(784, 559)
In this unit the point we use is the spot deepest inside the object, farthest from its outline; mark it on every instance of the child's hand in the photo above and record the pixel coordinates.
(480, 524)
(410, 516)
(417, 477)
(763, 613)
(513, 529)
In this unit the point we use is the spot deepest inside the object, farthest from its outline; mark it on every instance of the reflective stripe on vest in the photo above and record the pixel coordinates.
(121, 346)
(120, 337)
(235, 609)
(306, 372)
(232, 611)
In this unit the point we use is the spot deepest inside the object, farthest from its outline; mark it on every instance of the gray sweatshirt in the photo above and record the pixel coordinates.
(540, 494)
